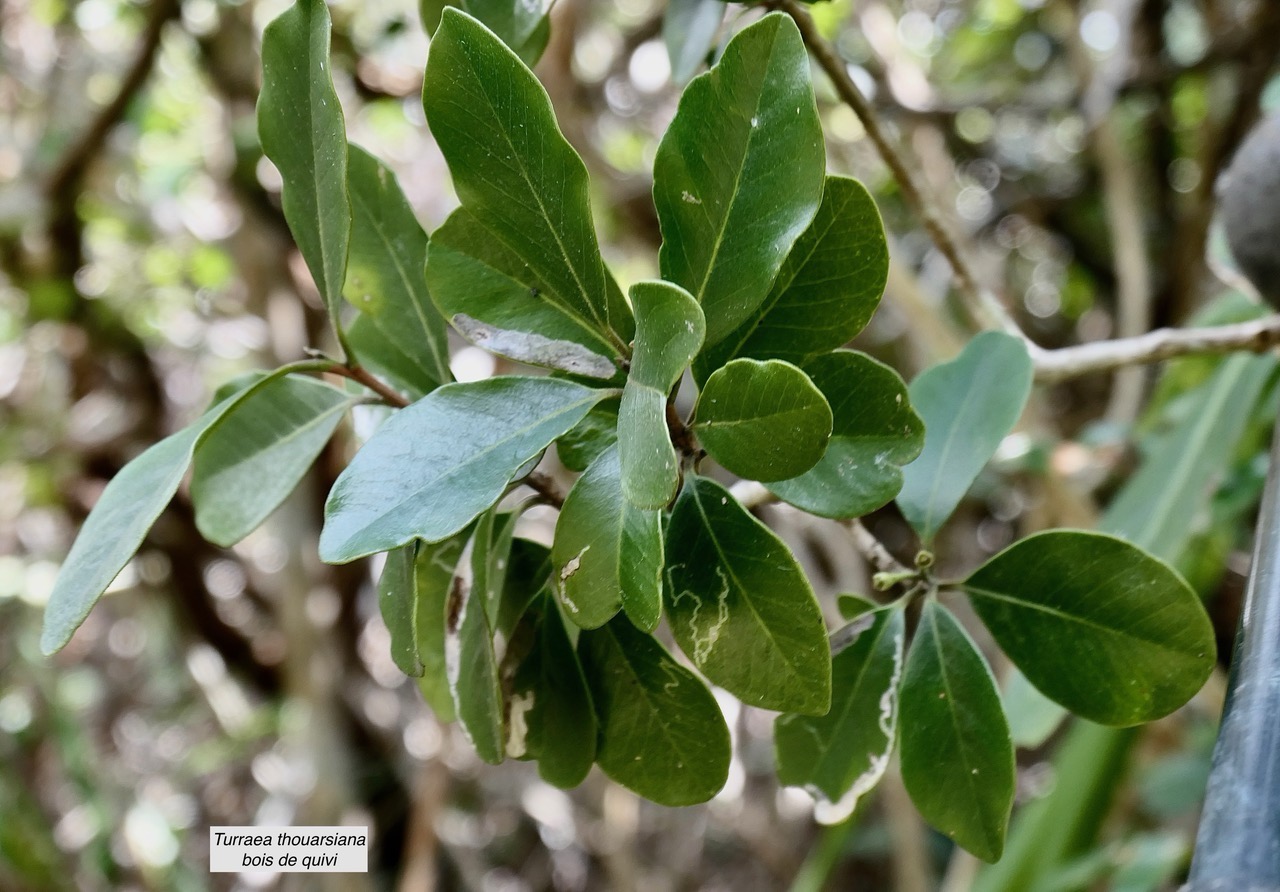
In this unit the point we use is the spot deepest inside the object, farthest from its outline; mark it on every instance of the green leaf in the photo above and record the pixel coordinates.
(1032, 716)
(763, 420)
(740, 606)
(490, 553)
(515, 172)
(957, 759)
(1158, 507)
(386, 359)
(527, 576)
(471, 662)
(590, 438)
(302, 130)
(874, 432)
(252, 457)
(384, 270)
(551, 718)
(662, 734)
(669, 331)
(827, 290)
(1098, 625)
(521, 25)
(607, 552)
(398, 603)
(738, 176)
(434, 566)
(433, 467)
(123, 514)
(498, 302)
(842, 755)
(968, 406)
(689, 30)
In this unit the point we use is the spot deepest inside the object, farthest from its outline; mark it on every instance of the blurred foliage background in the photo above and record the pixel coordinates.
(144, 261)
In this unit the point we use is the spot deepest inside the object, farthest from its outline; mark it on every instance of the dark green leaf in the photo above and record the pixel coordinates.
(841, 756)
(470, 659)
(590, 438)
(385, 359)
(1096, 624)
(763, 420)
(738, 175)
(490, 554)
(527, 575)
(497, 301)
(957, 759)
(1033, 717)
(433, 467)
(398, 602)
(740, 606)
(123, 514)
(253, 456)
(669, 331)
(826, 291)
(302, 130)
(514, 171)
(551, 718)
(968, 406)
(384, 272)
(662, 734)
(689, 31)
(874, 432)
(522, 26)
(607, 552)
(434, 568)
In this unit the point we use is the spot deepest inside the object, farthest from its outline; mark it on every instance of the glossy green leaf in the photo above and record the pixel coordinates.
(385, 359)
(1032, 716)
(550, 717)
(253, 456)
(607, 552)
(490, 554)
(842, 755)
(471, 662)
(303, 132)
(689, 30)
(498, 302)
(763, 420)
(521, 25)
(514, 171)
(826, 291)
(662, 734)
(957, 759)
(527, 577)
(434, 466)
(434, 567)
(740, 606)
(738, 176)
(968, 406)
(590, 438)
(874, 432)
(384, 270)
(398, 603)
(1098, 625)
(125, 511)
(669, 331)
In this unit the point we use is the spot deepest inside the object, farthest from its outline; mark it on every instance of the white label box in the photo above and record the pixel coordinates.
(289, 849)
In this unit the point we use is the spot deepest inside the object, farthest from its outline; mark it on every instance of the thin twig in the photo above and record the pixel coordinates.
(1256, 336)
(362, 376)
(873, 549)
(544, 486)
(980, 299)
